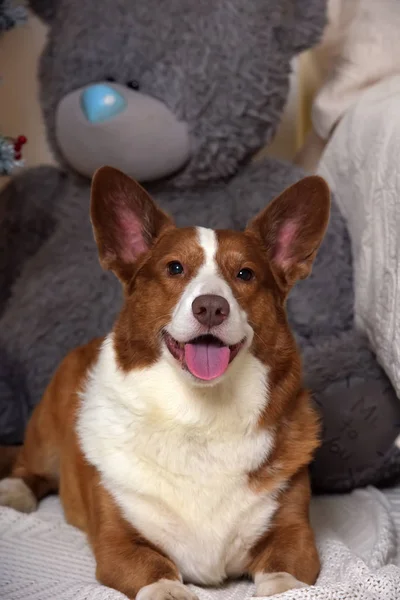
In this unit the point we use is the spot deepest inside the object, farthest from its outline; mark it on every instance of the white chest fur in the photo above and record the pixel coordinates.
(176, 458)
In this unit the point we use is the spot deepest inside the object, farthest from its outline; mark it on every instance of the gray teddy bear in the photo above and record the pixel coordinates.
(180, 95)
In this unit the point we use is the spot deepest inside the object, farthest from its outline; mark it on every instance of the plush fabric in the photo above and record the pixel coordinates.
(222, 69)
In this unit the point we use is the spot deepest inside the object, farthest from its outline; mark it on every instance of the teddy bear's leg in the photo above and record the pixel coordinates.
(26, 221)
(61, 299)
(360, 415)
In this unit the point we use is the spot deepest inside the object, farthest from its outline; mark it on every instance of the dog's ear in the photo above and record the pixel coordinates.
(291, 228)
(126, 221)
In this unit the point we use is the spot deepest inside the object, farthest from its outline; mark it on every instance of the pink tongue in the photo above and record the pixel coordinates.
(207, 361)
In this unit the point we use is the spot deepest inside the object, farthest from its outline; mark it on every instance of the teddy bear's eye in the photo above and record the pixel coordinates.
(110, 79)
(133, 84)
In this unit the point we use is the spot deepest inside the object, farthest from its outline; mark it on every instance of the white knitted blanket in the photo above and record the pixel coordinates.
(362, 166)
(43, 558)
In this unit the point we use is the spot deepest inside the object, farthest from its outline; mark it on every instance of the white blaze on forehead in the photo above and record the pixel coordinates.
(184, 326)
(209, 244)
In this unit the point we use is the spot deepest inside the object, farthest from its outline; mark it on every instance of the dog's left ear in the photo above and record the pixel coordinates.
(126, 222)
(291, 228)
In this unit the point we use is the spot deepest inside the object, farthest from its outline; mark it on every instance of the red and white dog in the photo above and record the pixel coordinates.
(180, 443)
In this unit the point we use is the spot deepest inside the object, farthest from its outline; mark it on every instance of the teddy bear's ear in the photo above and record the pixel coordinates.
(44, 9)
(302, 23)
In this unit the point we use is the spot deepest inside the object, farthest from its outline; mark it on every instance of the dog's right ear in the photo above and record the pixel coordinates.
(126, 222)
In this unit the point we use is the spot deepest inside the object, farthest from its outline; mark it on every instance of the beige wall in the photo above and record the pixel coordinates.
(19, 107)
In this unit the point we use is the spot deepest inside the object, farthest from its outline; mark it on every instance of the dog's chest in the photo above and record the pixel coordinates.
(193, 504)
(182, 479)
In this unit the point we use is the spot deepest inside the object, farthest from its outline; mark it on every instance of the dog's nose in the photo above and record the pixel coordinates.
(210, 310)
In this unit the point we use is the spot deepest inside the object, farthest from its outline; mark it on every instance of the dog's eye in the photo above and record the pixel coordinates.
(245, 274)
(175, 268)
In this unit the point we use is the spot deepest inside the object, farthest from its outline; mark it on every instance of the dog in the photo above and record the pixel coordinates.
(180, 443)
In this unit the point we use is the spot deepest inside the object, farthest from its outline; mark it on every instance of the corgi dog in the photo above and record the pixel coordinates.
(180, 442)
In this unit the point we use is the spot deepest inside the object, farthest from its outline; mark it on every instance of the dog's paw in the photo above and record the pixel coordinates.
(269, 584)
(166, 590)
(14, 493)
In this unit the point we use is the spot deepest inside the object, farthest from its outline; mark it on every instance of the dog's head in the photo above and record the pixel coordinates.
(201, 298)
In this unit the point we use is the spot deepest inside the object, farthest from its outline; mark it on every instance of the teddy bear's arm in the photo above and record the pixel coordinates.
(26, 221)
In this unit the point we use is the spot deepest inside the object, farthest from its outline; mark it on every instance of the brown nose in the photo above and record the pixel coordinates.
(210, 310)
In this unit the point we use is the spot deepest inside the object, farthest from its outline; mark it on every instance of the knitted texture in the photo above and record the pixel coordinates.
(43, 558)
(361, 163)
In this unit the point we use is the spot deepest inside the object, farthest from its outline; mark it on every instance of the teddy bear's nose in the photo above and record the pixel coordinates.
(108, 124)
(100, 102)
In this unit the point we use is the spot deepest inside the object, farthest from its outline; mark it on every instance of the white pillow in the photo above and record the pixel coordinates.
(365, 35)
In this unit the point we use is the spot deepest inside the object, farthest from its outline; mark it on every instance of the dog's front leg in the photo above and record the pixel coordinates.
(129, 563)
(286, 556)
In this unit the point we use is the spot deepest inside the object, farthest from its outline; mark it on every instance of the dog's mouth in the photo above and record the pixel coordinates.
(206, 357)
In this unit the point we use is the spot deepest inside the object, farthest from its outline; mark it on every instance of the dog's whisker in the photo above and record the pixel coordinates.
(259, 338)
(160, 318)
